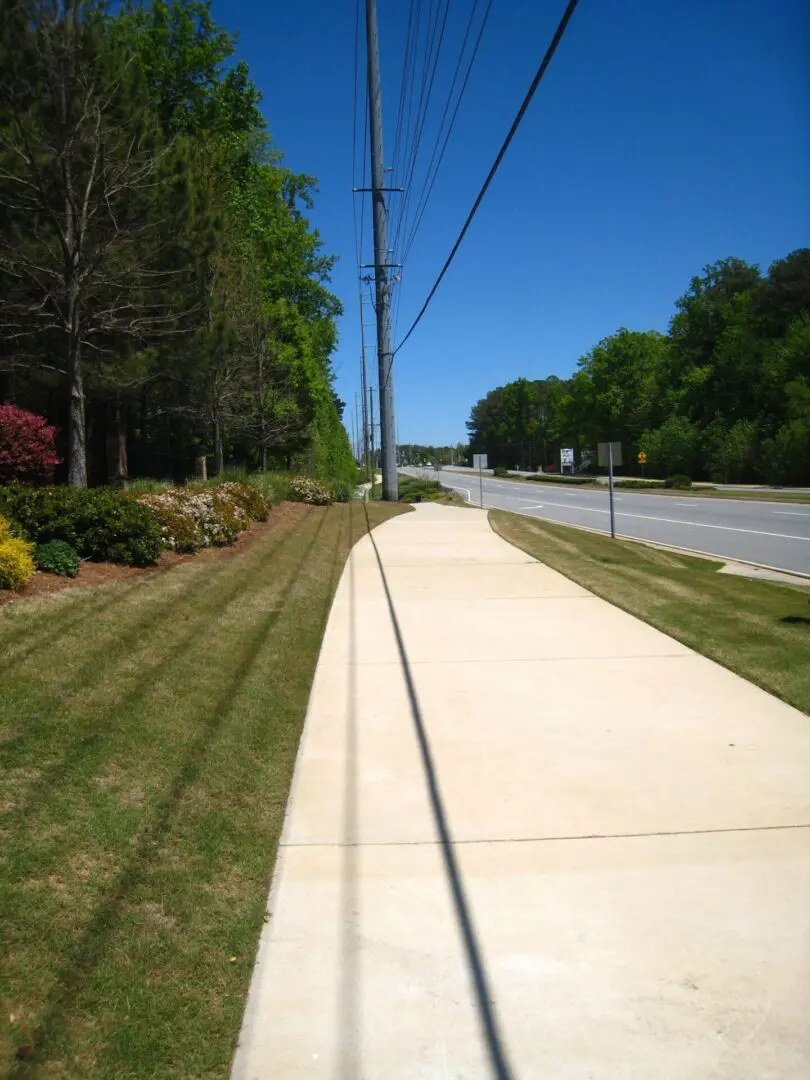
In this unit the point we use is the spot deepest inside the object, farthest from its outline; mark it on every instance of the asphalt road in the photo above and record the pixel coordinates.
(766, 533)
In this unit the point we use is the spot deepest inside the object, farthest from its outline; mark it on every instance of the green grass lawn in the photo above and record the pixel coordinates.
(759, 629)
(148, 730)
(765, 494)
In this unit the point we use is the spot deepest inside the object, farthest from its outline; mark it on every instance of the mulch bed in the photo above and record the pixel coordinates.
(95, 573)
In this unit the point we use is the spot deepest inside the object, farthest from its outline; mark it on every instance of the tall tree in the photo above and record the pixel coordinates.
(82, 177)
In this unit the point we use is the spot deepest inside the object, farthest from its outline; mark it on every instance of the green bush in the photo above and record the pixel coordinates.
(641, 484)
(16, 565)
(146, 485)
(500, 470)
(57, 557)
(679, 482)
(559, 478)
(274, 487)
(102, 524)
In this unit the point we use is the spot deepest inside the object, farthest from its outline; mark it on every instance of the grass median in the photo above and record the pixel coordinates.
(148, 731)
(639, 487)
(759, 629)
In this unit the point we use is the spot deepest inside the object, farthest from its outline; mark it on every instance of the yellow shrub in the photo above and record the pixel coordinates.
(16, 562)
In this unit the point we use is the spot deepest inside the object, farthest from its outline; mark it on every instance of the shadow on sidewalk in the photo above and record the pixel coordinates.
(350, 1065)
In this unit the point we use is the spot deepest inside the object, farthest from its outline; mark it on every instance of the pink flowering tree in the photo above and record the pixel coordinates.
(27, 454)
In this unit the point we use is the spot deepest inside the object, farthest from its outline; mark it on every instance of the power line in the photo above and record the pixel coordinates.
(403, 85)
(427, 90)
(555, 41)
(427, 187)
(405, 134)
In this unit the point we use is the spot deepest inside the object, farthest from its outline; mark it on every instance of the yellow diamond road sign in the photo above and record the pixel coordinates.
(642, 458)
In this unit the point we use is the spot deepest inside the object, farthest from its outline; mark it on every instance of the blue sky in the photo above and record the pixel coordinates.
(664, 136)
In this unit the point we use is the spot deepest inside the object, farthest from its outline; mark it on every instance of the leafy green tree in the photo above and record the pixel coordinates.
(672, 448)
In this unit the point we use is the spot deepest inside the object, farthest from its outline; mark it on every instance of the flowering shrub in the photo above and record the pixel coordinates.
(199, 516)
(27, 455)
(248, 497)
(16, 565)
(304, 489)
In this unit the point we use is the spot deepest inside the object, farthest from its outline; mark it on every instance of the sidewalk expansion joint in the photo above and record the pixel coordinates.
(511, 660)
(552, 839)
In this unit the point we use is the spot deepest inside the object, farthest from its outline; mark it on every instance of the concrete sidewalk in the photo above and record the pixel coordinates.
(530, 836)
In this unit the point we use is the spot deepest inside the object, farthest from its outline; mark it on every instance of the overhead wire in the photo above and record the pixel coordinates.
(403, 86)
(402, 148)
(550, 51)
(428, 82)
(410, 231)
(430, 180)
(424, 34)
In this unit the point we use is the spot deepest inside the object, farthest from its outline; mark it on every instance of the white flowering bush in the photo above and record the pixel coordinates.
(306, 490)
(197, 516)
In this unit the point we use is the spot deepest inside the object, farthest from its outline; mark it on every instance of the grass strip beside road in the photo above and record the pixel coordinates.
(148, 732)
(759, 629)
(696, 491)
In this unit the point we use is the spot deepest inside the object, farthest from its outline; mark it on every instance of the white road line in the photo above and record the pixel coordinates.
(454, 488)
(790, 513)
(685, 504)
(680, 521)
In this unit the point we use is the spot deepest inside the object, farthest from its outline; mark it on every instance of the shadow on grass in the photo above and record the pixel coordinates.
(107, 596)
(58, 628)
(796, 620)
(482, 990)
(88, 951)
(205, 590)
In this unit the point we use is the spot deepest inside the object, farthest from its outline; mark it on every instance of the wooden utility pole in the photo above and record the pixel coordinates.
(382, 267)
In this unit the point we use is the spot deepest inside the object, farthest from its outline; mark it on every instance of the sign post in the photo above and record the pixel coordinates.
(642, 460)
(567, 459)
(610, 454)
(480, 463)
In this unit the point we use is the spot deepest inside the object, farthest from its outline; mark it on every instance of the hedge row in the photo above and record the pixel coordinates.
(58, 526)
(559, 478)
(108, 525)
(102, 524)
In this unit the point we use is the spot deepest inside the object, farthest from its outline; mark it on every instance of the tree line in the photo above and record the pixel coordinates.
(163, 297)
(724, 395)
(420, 454)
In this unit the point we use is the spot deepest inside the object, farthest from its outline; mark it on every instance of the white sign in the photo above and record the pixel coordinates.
(567, 456)
(479, 461)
